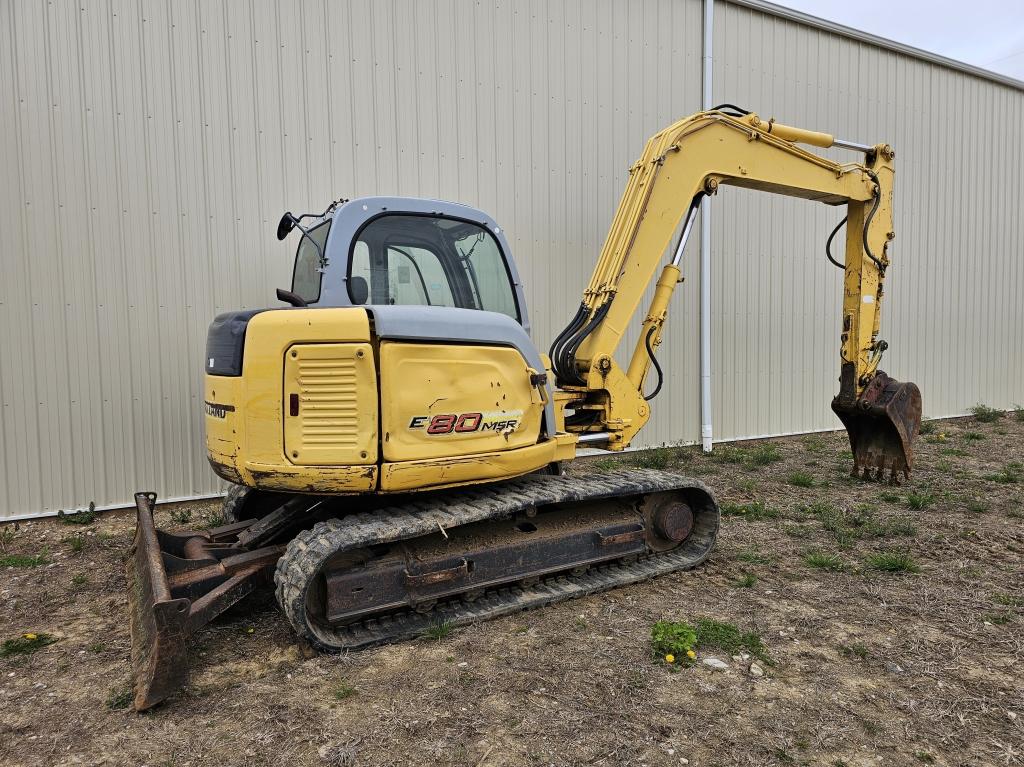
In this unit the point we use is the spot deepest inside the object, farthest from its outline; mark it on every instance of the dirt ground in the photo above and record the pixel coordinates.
(867, 666)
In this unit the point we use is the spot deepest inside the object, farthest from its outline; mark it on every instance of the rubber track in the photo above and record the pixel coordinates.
(308, 552)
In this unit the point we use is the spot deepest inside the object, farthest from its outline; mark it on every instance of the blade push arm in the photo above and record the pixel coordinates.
(680, 164)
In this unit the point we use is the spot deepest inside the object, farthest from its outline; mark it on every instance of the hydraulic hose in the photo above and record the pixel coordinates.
(654, 361)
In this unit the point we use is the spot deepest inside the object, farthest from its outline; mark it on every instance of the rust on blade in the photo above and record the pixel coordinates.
(159, 622)
(177, 584)
(882, 424)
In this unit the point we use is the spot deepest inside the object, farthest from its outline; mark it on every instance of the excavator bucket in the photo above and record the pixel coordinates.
(178, 583)
(882, 424)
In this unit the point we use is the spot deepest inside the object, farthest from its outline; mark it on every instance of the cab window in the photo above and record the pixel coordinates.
(430, 261)
(307, 274)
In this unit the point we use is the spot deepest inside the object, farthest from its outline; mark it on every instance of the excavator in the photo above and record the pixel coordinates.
(395, 441)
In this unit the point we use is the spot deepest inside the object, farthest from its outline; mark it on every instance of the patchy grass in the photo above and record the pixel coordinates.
(215, 519)
(890, 496)
(927, 427)
(985, 414)
(855, 650)
(919, 500)
(728, 638)
(754, 557)
(657, 458)
(181, 516)
(813, 443)
(23, 560)
(606, 464)
(751, 457)
(76, 543)
(893, 562)
(26, 644)
(955, 452)
(79, 580)
(974, 436)
(438, 631)
(755, 511)
(745, 581)
(976, 505)
(824, 561)
(119, 698)
(1018, 412)
(1009, 600)
(1010, 474)
(800, 479)
(343, 690)
(849, 525)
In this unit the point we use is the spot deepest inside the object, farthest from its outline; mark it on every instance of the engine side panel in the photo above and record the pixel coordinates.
(455, 400)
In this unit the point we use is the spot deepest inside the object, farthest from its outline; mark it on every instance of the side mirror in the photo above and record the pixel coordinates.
(290, 298)
(285, 225)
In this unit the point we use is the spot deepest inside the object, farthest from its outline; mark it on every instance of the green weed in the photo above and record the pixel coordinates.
(342, 691)
(754, 557)
(997, 619)
(1010, 600)
(986, 414)
(84, 517)
(855, 650)
(26, 644)
(673, 638)
(438, 631)
(800, 479)
(813, 444)
(97, 647)
(973, 436)
(954, 451)
(657, 458)
(924, 756)
(890, 496)
(893, 562)
(976, 505)
(79, 580)
(919, 500)
(76, 543)
(181, 516)
(927, 426)
(824, 561)
(1018, 412)
(119, 698)
(605, 464)
(745, 581)
(766, 454)
(6, 536)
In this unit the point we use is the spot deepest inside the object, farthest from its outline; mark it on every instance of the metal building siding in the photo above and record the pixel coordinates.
(952, 311)
(148, 150)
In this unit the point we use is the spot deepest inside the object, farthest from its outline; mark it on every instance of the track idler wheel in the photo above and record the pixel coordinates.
(882, 424)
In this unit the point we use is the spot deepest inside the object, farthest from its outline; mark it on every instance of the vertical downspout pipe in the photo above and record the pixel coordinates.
(705, 250)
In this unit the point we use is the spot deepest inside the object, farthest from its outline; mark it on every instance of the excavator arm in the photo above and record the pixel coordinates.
(680, 165)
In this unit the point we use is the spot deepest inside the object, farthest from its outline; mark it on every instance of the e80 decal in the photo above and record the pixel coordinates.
(465, 423)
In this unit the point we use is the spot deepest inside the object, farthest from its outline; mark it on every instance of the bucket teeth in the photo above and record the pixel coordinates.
(882, 424)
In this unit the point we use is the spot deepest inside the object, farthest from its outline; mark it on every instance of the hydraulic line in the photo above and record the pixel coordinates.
(657, 367)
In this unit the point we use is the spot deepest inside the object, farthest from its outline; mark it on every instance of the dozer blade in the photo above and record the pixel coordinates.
(178, 583)
(159, 623)
(882, 424)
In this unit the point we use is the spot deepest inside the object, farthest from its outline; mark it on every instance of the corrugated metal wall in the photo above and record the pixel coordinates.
(952, 313)
(148, 149)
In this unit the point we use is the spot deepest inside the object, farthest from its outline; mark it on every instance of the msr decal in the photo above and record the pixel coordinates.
(502, 421)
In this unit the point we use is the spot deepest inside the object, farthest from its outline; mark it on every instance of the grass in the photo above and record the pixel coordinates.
(893, 562)
(6, 536)
(824, 561)
(924, 756)
(342, 691)
(751, 457)
(438, 631)
(1009, 600)
(954, 451)
(181, 516)
(890, 496)
(76, 543)
(973, 436)
(214, 520)
(26, 644)
(745, 581)
(919, 500)
(927, 427)
(985, 414)
(119, 698)
(1018, 412)
(800, 479)
(754, 557)
(849, 525)
(658, 458)
(813, 444)
(997, 619)
(1010, 474)
(729, 639)
(97, 647)
(855, 650)
(23, 560)
(976, 505)
(605, 464)
(84, 517)
(755, 511)
(79, 580)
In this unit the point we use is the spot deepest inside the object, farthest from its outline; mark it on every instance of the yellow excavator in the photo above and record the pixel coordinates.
(395, 440)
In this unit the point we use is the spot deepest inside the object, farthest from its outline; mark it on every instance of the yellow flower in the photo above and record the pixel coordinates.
(691, 654)
(670, 658)
(31, 636)
(249, 630)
